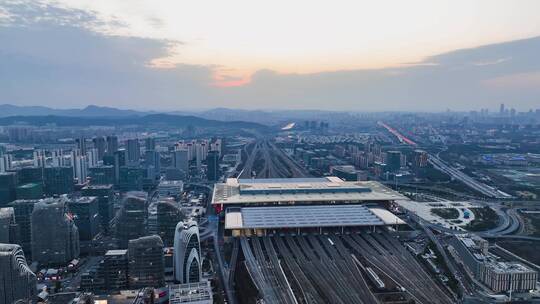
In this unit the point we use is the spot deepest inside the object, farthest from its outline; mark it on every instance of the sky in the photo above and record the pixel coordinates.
(418, 55)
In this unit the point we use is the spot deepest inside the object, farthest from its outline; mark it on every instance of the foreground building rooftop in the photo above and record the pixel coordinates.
(291, 190)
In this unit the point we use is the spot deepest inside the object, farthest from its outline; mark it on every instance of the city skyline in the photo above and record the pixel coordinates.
(355, 56)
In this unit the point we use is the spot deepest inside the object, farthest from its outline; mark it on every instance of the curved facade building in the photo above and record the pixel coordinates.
(17, 281)
(187, 253)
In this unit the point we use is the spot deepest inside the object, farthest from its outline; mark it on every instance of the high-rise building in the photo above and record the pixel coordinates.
(133, 151)
(150, 143)
(130, 179)
(17, 281)
(105, 196)
(9, 231)
(58, 180)
(501, 109)
(80, 166)
(81, 144)
(85, 211)
(92, 157)
(181, 160)
(23, 217)
(153, 163)
(55, 237)
(393, 160)
(133, 218)
(187, 253)
(146, 264)
(163, 216)
(8, 184)
(112, 144)
(100, 144)
(30, 175)
(212, 161)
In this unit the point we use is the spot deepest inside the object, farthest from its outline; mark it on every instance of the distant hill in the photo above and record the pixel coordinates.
(145, 120)
(90, 111)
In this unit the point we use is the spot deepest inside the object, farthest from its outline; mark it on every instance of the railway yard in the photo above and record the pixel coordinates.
(367, 267)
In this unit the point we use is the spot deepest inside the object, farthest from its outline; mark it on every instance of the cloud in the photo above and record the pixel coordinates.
(66, 58)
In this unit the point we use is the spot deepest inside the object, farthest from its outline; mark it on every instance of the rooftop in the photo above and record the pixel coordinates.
(307, 216)
(244, 191)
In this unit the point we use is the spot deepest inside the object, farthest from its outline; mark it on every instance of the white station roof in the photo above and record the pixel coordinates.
(246, 191)
(308, 216)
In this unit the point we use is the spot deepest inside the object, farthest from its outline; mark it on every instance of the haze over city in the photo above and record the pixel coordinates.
(345, 55)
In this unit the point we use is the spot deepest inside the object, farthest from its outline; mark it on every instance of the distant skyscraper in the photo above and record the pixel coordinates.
(501, 109)
(181, 160)
(393, 160)
(5, 162)
(133, 218)
(17, 281)
(212, 161)
(81, 145)
(133, 151)
(55, 238)
(187, 253)
(150, 143)
(146, 264)
(80, 166)
(112, 144)
(420, 159)
(100, 144)
(8, 184)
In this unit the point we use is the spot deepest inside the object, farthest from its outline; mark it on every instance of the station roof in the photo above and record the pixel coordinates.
(246, 191)
(304, 217)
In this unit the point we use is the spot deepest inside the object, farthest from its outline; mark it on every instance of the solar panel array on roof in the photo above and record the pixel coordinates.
(308, 216)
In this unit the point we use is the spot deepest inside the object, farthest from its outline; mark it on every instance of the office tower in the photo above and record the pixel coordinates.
(153, 163)
(23, 217)
(212, 168)
(187, 253)
(29, 191)
(55, 237)
(81, 144)
(9, 231)
(8, 183)
(80, 166)
(150, 143)
(17, 281)
(420, 159)
(119, 162)
(163, 216)
(146, 265)
(105, 197)
(216, 146)
(501, 109)
(92, 157)
(85, 211)
(5, 162)
(114, 269)
(393, 160)
(112, 144)
(133, 151)
(100, 145)
(181, 160)
(58, 180)
(198, 156)
(133, 218)
(101, 175)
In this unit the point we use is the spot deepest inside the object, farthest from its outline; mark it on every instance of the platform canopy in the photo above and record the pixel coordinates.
(304, 217)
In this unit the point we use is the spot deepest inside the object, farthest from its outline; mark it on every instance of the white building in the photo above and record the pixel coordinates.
(187, 253)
